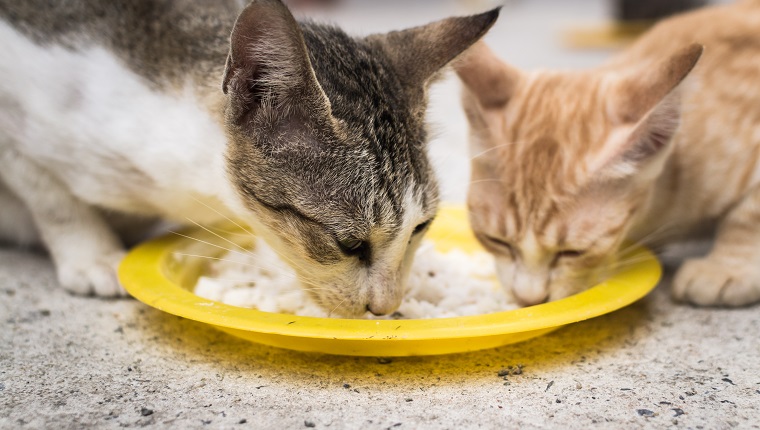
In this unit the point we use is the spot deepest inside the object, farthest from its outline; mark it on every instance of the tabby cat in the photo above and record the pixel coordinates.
(150, 108)
(659, 144)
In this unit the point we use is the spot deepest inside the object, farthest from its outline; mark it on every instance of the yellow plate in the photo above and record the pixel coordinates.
(155, 274)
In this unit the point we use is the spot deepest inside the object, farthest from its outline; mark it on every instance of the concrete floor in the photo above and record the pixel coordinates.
(71, 362)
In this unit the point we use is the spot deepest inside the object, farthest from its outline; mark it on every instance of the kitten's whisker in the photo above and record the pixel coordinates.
(228, 279)
(654, 236)
(314, 289)
(207, 257)
(223, 216)
(207, 243)
(631, 260)
(230, 232)
(493, 148)
(478, 181)
(247, 251)
(329, 314)
(280, 270)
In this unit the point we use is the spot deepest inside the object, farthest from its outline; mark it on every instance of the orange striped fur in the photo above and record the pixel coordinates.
(660, 143)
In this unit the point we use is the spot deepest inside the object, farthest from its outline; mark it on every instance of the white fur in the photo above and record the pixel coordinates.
(354, 285)
(80, 130)
(529, 279)
(77, 130)
(16, 224)
(385, 279)
(70, 109)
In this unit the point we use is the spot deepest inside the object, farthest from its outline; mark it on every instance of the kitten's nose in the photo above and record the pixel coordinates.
(385, 294)
(377, 310)
(531, 297)
(530, 287)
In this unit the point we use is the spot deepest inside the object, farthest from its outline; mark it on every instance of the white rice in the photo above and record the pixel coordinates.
(440, 284)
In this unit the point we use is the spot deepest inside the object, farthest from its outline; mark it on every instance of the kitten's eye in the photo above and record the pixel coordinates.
(502, 244)
(420, 228)
(353, 246)
(570, 253)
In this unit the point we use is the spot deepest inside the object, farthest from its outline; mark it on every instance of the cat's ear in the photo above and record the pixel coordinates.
(491, 81)
(419, 53)
(268, 58)
(648, 107)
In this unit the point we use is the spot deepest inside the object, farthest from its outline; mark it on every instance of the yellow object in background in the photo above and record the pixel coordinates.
(612, 35)
(155, 275)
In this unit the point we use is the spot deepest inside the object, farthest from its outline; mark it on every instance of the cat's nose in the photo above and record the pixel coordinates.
(379, 310)
(531, 297)
(385, 294)
(530, 287)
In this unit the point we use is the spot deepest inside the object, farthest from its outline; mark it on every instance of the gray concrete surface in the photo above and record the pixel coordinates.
(69, 362)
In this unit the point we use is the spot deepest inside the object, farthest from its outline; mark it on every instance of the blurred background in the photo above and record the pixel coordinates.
(530, 34)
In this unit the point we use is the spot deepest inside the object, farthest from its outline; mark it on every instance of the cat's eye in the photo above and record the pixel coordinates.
(420, 228)
(502, 244)
(354, 247)
(570, 253)
(350, 245)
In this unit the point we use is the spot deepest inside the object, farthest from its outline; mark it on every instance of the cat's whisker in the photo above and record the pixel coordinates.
(329, 314)
(308, 290)
(479, 181)
(291, 262)
(635, 259)
(282, 271)
(230, 232)
(245, 250)
(651, 239)
(208, 257)
(242, 263)
(493, 148)
(208, 243)
(235, 223)
(294, 264)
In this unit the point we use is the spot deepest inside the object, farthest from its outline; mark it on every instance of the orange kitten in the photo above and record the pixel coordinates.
(656, 145)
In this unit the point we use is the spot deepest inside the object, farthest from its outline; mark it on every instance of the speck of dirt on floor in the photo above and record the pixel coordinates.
(511, 370)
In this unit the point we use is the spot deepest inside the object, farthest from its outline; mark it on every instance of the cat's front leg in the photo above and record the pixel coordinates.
(85, 250)
(730, 274)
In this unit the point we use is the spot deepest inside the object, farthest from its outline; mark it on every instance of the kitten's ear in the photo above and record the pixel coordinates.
(486, 77)
(648, 105)
(419, 53)
(268, 57)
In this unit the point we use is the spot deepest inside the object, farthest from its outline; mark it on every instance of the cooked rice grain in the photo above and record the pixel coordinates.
(440, 284)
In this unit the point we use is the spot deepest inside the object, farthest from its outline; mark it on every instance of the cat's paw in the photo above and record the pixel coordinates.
(92, 277)
(712, 282)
